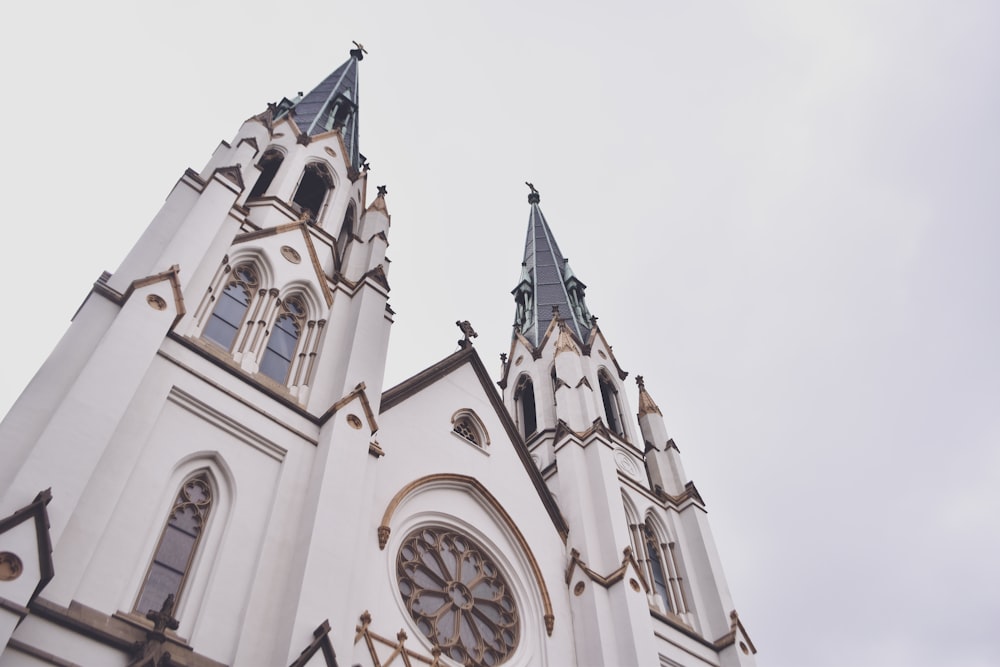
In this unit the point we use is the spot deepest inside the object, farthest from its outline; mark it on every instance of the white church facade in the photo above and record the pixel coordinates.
(208, 470)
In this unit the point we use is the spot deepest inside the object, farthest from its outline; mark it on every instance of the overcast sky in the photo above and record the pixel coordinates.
(786, 214)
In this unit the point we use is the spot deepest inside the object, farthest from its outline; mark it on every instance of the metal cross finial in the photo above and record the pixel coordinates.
(533, 197)
(382, 190)
(469, 332)
(639, 381)
(359, 52)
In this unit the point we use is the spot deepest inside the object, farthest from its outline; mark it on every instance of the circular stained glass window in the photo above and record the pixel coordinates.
(456, 595)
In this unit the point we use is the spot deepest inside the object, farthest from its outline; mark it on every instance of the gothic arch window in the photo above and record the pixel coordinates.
(284, 339)
(662, 569)
(554, 379)
(314, 187)
(612, 409)
(524, 398)
(467, 425)
(346, 232)
(268, 164)
(231, 306)
(178, 543)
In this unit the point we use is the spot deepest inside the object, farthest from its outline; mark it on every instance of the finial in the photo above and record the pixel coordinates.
(642, 383)
(555, 311)
(164, 618)
(359, 52)
(469, 332)
(382, 190)
(533, 196)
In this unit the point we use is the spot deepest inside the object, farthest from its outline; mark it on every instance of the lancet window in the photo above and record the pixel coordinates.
(268, 165)
(284, 339)
(612, 410)
(315, 186)
(346, 233)
(178, 544)
(661, 567)
(231, 306)
(524, 397)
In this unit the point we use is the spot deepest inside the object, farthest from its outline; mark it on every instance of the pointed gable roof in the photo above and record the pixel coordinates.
(330, 105)
(468, 355)
(547, 282)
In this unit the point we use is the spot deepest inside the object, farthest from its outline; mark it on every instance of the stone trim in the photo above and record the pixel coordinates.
(384, 528)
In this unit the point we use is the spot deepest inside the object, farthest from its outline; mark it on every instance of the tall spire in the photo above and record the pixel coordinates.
(331, 105)
(548, 288)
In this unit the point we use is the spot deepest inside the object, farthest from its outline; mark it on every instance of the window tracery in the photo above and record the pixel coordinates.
(284, 338)
(231, 306)
(178, 543)
(457, 596)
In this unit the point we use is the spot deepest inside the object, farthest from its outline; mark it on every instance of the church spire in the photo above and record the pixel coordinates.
(547, 284)
(333, 104)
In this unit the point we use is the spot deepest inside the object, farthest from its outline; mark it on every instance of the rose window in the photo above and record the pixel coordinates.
(457, 597)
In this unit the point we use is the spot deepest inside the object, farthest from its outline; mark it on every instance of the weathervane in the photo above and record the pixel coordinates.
(359, 52)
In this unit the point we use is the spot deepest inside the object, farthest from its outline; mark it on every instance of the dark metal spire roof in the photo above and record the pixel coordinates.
(547, 282)
(332, 104)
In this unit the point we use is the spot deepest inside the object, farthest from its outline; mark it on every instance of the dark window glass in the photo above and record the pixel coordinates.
(280, 349)
(315, 184)
(656, 566)
(177, 544)
(268, 164)
(228, 315)
(610, 405)
(526, 399)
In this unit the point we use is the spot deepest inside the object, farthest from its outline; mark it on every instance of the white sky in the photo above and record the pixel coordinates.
(786, 214)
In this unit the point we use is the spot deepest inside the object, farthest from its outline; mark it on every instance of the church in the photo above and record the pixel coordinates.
(208, 470)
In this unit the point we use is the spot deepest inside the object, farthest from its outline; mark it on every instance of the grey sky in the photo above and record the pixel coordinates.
(786, 214)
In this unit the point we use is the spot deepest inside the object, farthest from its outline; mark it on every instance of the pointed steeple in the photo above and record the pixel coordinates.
(547, 283)
(331, 105)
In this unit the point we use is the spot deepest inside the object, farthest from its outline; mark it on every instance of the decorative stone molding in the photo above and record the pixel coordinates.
(609, 580)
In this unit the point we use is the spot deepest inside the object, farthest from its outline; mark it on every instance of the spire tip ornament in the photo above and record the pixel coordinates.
(468, 331)
(533, 196)
(358, 53)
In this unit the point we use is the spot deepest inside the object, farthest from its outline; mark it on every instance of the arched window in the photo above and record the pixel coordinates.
(284, 339)
(178, 544)
(268, 165)
(466, 423)
(654, 561)
(663, 569)
(346, 232)
(524, 397)
(555, 384)
(465, 428)
(231, 306)
(313, 189)
(609, 395)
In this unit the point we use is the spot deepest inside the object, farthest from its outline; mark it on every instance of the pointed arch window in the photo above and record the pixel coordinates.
(314, 187)
(524, 397)
(346, 232)
(467, 425)
(231, 306)
(178, 543)
(268, 165)
(662, 569)
(655, 565)
(612, 410)
(284, 340)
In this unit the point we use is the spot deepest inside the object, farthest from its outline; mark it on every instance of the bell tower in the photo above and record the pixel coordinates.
(257, 301)
(641, 565)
